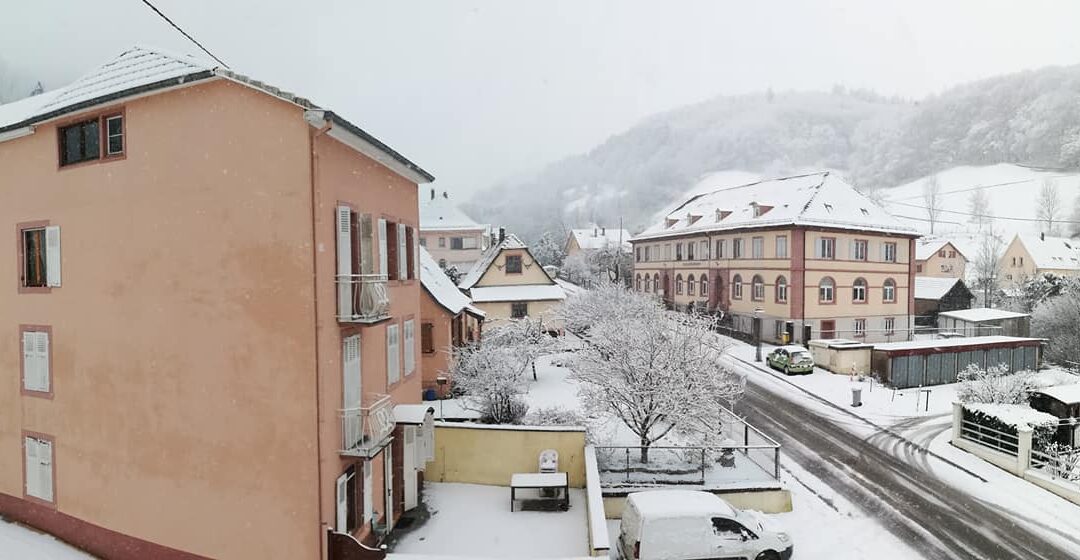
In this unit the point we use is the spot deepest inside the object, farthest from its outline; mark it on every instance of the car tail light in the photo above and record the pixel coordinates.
(637, 549)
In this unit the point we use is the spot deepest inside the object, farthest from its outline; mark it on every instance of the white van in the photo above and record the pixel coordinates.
(691, 525)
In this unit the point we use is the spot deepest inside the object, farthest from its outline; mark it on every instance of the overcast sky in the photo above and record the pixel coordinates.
(478, 91)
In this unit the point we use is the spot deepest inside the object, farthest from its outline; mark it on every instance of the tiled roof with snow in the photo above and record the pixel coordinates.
(439, 285)
(518, 292)
(926, 247)
(481, 265)
(142, 70)
(818, 199)
(927, 287)
(981, 314)
(600, 238)
(1052, 252)
(437, 212)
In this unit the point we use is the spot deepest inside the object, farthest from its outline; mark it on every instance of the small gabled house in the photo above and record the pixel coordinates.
(939, 258)
(937, 295)
(509, 283)
(596, 238)
(1029, 256)
(448, 320)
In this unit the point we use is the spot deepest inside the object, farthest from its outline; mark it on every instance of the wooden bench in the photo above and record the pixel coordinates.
(540, 481)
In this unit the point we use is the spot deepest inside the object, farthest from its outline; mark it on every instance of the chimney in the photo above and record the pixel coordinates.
(502, 234)
(603, 231)
(432, 194)
(1042, 236)
(444, 195)
(594, 232)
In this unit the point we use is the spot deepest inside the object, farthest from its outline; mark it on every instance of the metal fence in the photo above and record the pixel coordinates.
(990, 437)
(1063, 464)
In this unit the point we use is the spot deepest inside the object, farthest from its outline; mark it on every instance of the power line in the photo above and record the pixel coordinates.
(980, 187)
(988, 216)
(184, 33)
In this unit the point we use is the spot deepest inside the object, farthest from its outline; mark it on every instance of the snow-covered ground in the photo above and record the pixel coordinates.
(22, 543)
(474, 521)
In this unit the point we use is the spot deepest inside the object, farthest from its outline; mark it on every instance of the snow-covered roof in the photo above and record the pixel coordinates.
(481, 265)
(439, 285)
(818, 199)
(981, 314)
(142, 70)
(437, 212)
(412, 413)
(928, 287)
(680, 503)
(925, 248)
(569, 287)
(950, 342)
(1069, 394)
(520, 292)
(1052, 252)
(600, 238)
(1019, 416)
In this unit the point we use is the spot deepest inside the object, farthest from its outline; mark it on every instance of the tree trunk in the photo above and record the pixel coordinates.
(644, 450)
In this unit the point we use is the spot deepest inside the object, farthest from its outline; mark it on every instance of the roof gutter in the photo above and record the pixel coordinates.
(373, 148)
(16, 133)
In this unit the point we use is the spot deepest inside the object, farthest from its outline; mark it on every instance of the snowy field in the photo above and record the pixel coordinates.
(474, 521)
(21, 543)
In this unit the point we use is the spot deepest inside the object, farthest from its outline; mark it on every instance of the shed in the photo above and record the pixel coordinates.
(839, 355)
(937, 295)
(985, 322)
(1062, 401)
(935, 362)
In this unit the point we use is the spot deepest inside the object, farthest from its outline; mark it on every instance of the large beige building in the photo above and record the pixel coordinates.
(1031, 255)
(509, 283)
(211, 322)
(449, 235)
(803, 251)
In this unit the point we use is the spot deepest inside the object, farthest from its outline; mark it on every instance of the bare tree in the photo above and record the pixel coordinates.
(979, 208)
(1049, 209)
(932, 199)
(1074, 227)
(1058, 320)
(987, 271)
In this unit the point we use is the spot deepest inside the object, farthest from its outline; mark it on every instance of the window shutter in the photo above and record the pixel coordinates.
(351, 370)
(884, 251)
(32, 472)
(52, 256)
(393, 354)
(45, 470)
(817, 249)
(410, 348)
(29, 360)
(343, 503)
(403, 254)
(344, 261)
(42, 348)
(415, 253)
(851, 249)
(369, 502)
(384, 256)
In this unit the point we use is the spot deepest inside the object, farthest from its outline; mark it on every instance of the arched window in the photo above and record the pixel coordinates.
(691, 285)
(758, 288)
(678, 284)
(648, 283)
(826, 290)
(736, 287)
(704, 285)
(858, 290)
(889, 290)
(781, 289)
(656, 283)
(637, 282)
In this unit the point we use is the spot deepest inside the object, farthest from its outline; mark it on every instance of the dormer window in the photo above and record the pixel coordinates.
(759, 209)
(692, 218)
(670, 222)
(721, 214)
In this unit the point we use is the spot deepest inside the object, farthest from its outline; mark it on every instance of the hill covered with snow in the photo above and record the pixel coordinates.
(1030, 118)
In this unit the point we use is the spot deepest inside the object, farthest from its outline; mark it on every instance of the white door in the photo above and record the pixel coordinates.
(343, 503)
(409, 467)
(388, 480)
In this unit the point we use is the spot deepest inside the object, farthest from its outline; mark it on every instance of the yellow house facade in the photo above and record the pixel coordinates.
(509, 283)
(1028, 256)
(939, 259)
(812, 253)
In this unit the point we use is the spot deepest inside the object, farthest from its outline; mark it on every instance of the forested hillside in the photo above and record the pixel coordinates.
(1030, 118)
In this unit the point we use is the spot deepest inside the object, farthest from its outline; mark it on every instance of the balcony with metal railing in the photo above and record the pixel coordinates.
(365, 429)
(362, 298)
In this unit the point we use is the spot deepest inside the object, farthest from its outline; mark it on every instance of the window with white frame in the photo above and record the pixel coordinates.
(37, 372)
(889, 252)
(690, 251)
(826, 290)
(825, 248)
(781, 246)
(719, 249)
(757, 247)
(781, 290)
(858, 291)
(678, 284)
(410, 346)
(704, 285)
(393, 354)
(736, 287)
(736, 248)
(39, 469)
(860, 327)
(859, 249)
(757, 288)
(888, 291)
(890, 325)
(39, 257)
(691, 284)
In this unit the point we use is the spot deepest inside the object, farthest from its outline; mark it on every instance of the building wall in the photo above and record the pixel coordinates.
(436, 363)
(183, 351)
(500, 311)
(951, 265)
(1016, 263)
(345, 176)
(490, 454)
(430, 238)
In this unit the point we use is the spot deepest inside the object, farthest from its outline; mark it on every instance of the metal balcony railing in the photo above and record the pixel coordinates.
(365, 428)
(362, 298)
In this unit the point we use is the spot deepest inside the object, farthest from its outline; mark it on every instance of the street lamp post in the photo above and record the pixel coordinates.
(757, 334)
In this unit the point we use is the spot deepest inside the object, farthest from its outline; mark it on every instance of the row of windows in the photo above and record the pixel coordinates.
(83, 141)
(826, 288)
(456, 243)
(824, 249)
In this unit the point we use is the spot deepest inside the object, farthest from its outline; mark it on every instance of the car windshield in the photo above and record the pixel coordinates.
(800, 356)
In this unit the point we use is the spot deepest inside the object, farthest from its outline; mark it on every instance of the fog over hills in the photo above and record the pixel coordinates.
(1030, 118)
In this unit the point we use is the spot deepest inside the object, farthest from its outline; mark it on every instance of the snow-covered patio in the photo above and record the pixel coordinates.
(474, 521)
(22, 543)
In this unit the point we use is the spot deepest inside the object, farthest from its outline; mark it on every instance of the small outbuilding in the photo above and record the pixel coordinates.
(840, 355)
(985, 322)
(1062, 401)
(919, 363)
(937, 295)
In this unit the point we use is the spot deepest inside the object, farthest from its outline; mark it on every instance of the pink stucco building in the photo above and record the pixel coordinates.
(210, 323)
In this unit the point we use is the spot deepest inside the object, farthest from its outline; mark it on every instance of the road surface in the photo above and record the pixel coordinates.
(894, 484)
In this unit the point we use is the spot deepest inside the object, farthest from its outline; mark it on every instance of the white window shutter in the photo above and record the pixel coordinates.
(343, 503)
(32, 472)
(817, 248)
(384, 257)
(851, 249)
(351, 371)
(410, 362)
(45, 470)
(42, 348)
(30, 360)
(344, 261)
(52, 256)
(393, 354)
(369, 498)
(403, 254)
(416, 253)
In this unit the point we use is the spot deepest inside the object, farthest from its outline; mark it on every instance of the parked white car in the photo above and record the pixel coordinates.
(692, 525)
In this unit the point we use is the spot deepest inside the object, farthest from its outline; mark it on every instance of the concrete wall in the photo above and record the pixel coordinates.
(839, 360)
(433, 364)
(490, 454)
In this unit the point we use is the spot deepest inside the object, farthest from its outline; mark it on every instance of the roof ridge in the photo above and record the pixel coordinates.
(750, 184)
(817, 191)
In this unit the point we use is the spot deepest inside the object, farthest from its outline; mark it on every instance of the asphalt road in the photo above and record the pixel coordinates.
(892, 482)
